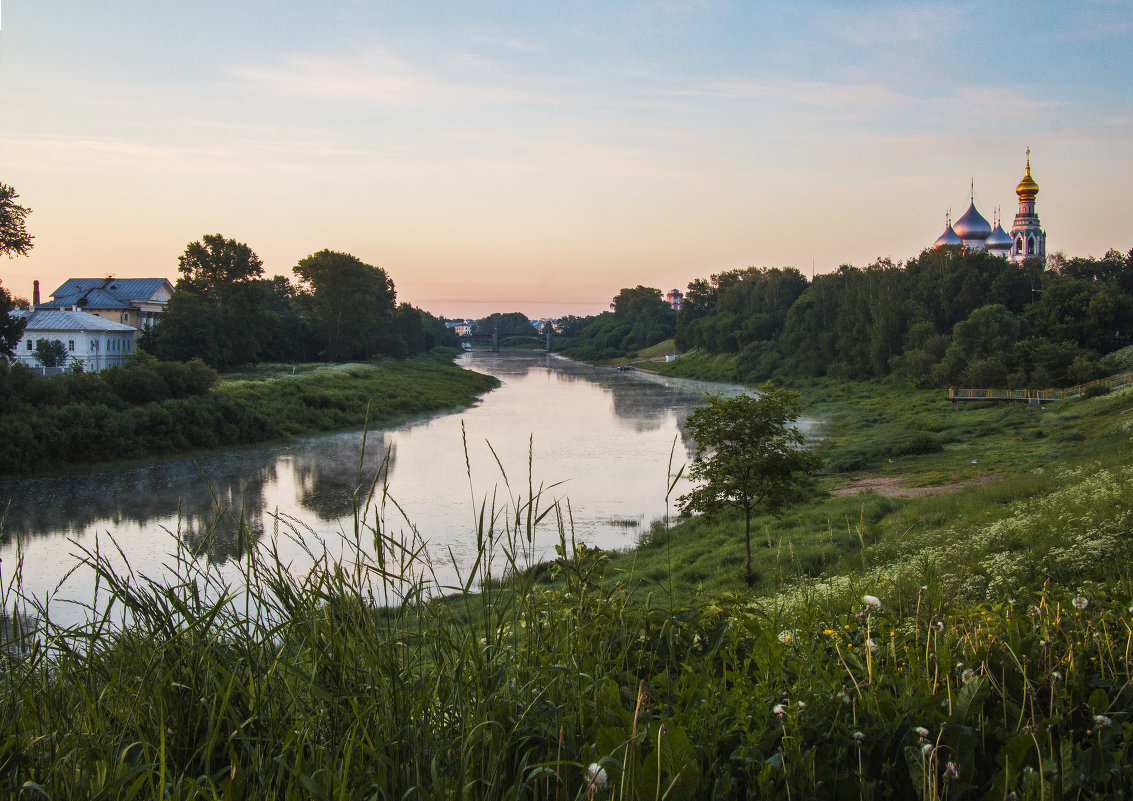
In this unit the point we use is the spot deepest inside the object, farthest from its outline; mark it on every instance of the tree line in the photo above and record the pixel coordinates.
(225, 312)
(948, 316)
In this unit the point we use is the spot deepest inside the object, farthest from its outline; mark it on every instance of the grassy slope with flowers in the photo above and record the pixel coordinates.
(968, 645)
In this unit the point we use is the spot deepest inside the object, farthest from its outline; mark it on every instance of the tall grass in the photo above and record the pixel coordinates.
(351, 676)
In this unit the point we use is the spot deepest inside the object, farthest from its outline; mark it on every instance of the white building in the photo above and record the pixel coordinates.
(91, 341)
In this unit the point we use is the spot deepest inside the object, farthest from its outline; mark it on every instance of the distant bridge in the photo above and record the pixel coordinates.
(548, 337)
(1035, 397)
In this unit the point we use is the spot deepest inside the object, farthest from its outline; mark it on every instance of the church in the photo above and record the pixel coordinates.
(1027, 239)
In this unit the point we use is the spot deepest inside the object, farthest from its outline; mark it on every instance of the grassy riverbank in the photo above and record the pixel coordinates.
(264, 405)
(968, 644)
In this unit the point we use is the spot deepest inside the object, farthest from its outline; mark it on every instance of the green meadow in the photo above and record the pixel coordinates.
(945, 613)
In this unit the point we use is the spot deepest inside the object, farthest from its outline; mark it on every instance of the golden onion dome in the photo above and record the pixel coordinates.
(1027, 188)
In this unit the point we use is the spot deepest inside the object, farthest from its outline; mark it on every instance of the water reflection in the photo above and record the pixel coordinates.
(603, 437)
(330, 471)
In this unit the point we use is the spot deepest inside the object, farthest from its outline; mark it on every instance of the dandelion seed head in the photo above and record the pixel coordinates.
(859, 736)
(921, 731)
(595, 778)
(1101, 721)
(872, 603)
(1081, 602)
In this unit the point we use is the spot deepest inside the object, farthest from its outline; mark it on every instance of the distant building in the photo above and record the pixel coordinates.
(674, 297)
(93, 342)
(461, 328)
(135, 302)
(1027, 239)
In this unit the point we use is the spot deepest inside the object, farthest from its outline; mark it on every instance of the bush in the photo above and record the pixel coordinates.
(919, 444)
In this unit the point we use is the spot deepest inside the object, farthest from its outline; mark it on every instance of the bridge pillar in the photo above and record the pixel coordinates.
(548, 337)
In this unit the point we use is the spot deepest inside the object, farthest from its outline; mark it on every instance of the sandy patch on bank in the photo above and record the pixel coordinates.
(891, 487)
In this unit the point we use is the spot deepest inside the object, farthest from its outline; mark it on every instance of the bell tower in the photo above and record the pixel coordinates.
(1028, 237)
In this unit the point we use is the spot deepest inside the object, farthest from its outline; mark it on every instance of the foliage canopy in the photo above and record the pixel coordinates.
(749, 456)
(14, 237)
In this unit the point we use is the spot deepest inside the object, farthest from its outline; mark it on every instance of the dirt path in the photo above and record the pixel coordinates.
(891, 487)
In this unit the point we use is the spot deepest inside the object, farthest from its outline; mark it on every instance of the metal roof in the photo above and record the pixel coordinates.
(91, 299)
(52, 320)
(121, 288)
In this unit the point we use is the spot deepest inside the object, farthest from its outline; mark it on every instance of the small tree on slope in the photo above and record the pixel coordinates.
(749, 456)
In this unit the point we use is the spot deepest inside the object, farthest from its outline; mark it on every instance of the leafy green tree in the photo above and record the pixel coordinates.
(507, 324)
(50, 352)
(223, 311)
(14, 237)
(639, 300)
(349, 305)
(749, 456)
(214, 264)
(11, 328)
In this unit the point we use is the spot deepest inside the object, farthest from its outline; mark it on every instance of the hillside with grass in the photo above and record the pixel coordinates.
(946, 614)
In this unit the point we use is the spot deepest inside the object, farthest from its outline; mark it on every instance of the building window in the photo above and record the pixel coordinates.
(30, 346)
(1031, 246)
(70, 344)
(94, 346)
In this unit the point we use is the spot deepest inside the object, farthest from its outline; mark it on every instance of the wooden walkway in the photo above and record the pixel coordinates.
(1035, 397)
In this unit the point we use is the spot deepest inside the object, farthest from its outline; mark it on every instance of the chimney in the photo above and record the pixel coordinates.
(34, 294)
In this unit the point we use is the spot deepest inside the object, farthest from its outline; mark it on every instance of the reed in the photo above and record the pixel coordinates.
(365, 674)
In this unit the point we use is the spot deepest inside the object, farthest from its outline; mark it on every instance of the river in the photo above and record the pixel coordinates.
(595, 438)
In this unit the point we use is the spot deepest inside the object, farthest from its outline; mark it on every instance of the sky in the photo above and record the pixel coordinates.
(539, 156)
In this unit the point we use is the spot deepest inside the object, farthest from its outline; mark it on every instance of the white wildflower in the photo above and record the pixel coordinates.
(967, 674)
(595, 779)
(1055, 675)
(859, 736)
(926, 749)
(802, 704)
(1101, 721)
(921, 732)
(779, 710)
(786, 637)
(871, 644)
(1081, 602)
(872, 603)
(951, 771)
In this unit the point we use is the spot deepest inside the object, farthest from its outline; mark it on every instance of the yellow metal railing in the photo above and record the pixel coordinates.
(1037, 395)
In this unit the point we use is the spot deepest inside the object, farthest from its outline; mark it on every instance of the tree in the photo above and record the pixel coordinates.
(348, 304)
(11, 328)
(506, 324)
(14, 237)
(749, 456)
(214, 264)
(222, 311)
(50, 352)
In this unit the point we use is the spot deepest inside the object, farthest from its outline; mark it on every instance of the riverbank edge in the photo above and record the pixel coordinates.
(431, 401)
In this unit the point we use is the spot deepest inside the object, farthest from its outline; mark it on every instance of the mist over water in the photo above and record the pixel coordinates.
(599, 439)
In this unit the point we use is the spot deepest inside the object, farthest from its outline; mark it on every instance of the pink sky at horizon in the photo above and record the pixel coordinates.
(538, 158)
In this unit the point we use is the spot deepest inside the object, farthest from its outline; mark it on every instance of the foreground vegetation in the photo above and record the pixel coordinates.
(155, 408)
(969, 644)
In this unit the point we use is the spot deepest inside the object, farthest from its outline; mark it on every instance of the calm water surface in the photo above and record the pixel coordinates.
(602, 437)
